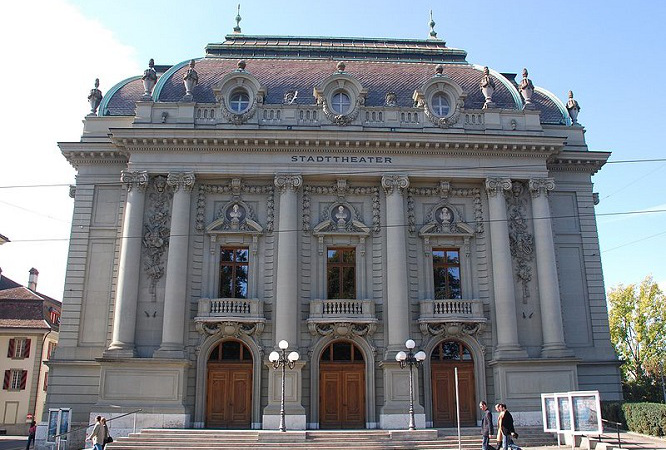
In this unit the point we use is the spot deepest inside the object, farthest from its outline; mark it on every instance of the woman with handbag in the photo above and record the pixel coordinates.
(107, 436)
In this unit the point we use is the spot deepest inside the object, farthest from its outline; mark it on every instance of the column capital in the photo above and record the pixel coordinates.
(539, 186)
(288, 181)
(134, 179)
(496, 186)
(391, 182)
(183, 180)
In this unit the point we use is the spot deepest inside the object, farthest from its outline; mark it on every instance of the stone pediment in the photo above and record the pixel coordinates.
(444, 220)
(341, 218)
(235, 217)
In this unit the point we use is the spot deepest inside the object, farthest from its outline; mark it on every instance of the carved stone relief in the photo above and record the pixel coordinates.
(444, 191)
(341, 189)
(236, 187)
(156, 232)
(520, 240)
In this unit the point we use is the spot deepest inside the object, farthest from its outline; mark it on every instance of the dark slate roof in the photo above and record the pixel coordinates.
(288, 69)
(21, 307)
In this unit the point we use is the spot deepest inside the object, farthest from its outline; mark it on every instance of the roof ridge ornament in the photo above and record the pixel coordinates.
(149, 79)
(433, 33)
(237, 28)
(94, 98)
(526, 89)
(573, 108)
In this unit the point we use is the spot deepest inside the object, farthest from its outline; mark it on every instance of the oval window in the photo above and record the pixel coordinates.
(440, 104)
(340, 102)
(239, 101)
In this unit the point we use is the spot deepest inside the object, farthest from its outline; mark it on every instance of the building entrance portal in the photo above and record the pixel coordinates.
(342, 387)
(445, 358)
(229, 386)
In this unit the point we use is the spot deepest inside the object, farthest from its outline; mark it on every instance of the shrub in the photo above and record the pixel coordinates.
(612, 411)
(646, 418)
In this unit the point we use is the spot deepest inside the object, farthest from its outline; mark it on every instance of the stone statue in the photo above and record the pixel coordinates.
(94, 98)
(190, 79)
(391, 99)
(149, 80)
(574, 108)
(488, 88)
(341, 216)
(445, 215)
(290, 97)
(235, 215)
(526, 89)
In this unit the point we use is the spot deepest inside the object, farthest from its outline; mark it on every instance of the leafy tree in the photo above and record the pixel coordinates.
(637, 321)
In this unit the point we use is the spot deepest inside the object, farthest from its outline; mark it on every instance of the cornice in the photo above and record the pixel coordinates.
(577, 161)
(84, 153)
(149, 140)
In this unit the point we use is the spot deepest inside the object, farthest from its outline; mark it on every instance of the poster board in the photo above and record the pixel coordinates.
(576, 412)
(59, 423)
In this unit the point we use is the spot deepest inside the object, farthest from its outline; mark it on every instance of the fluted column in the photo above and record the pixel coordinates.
(505, 297)
(396, 262)
(549, 289)
(286, 291)
(127, 292)
(173, 325)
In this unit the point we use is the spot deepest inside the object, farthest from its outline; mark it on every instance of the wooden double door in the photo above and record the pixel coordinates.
(229, 395)
(444, 393)
(342, 395)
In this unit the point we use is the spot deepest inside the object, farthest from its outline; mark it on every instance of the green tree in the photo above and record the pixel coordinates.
(637, 321)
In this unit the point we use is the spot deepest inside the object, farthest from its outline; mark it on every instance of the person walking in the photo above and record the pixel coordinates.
(31, 434)
(486, 425)
(507, 428)
(98, 434)
(500, 436)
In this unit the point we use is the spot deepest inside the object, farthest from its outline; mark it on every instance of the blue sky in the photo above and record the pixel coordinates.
(608, 52)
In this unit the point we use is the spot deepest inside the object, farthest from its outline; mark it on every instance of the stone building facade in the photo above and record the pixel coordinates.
(344, 195)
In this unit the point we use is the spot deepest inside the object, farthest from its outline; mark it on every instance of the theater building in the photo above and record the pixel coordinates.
(344, 195)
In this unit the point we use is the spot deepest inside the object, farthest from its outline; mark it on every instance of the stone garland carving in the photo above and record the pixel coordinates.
(443, 122)
(238, 119)
(444, 190)
(236, 187)
(452, 329)
(347, 330)
(520, 240)
(156, 234)
(342, 119)
(230, 328)
(341, 189)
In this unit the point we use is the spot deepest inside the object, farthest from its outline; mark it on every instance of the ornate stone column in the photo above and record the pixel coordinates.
(127, 292)
(397, 299)
(173, 324)
(286, 291)
(505, 296)
(549, 289)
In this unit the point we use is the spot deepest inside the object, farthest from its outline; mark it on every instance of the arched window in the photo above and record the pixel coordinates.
(340, 102)
(230, 351)
(342, 351)
(440, 104)
(239, 101)
(451, 351)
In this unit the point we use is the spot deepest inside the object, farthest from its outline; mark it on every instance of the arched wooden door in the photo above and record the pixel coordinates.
(341, 387)
(445, 358)
(229, 386)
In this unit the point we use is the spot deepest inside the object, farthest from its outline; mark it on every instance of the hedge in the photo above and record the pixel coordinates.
(645, 418)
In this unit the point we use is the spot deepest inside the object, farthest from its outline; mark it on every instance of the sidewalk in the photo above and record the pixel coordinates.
(629, 440)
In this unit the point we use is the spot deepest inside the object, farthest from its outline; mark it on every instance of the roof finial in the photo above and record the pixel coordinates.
(237, 28)
(433, 33)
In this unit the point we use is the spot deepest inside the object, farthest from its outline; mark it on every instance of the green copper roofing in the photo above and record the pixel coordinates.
(111, 92)
(166, 75)
(557, 101)
(508, 84)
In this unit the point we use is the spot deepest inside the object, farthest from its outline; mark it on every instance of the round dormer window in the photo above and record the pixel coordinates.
(239, 101)
(340, 102)
(440, 104)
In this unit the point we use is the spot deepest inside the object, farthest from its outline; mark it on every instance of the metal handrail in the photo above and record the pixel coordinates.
(617, 430)
(93, 424)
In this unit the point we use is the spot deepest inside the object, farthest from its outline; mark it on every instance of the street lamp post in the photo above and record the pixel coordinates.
(281, 359)
(410, 359)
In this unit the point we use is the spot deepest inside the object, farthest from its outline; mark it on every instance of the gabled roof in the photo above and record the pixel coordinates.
(21, 307)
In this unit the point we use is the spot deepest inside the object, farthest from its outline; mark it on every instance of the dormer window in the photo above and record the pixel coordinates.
(440, 104)
(239, 101)
(340, 102)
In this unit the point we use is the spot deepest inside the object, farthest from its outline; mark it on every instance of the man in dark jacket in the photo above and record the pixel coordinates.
(507, 427)
(486, 425)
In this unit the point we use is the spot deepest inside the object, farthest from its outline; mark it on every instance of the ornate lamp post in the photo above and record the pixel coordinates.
(281, 359)
(410, 359)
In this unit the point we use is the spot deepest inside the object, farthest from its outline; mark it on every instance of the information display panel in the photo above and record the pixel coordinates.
(576, 412)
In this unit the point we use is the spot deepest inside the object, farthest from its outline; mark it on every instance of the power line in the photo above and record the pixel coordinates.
(299, 230)
(384, 170)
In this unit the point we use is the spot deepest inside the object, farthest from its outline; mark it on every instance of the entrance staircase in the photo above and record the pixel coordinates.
(190, 439)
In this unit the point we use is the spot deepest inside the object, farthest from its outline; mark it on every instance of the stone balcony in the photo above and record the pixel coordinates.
(230, 316)
(451, 316)
(342, 317)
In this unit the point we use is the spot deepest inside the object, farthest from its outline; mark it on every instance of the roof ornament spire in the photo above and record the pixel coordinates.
(149, 79)
(237, 28)
(573, 108)
(433, 33)
(526, 89)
